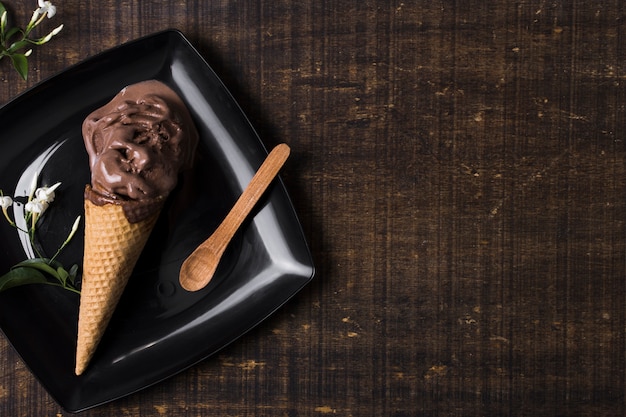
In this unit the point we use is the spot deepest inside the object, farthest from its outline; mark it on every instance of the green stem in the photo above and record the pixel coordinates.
(6, 215)
(54, 284)
(68, 238)
(58, 252)
(31, 235)
(32, 26)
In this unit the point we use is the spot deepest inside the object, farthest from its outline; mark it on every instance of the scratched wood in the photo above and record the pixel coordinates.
(459, 171)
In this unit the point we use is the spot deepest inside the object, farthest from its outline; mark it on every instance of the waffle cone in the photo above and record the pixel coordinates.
(112, 247)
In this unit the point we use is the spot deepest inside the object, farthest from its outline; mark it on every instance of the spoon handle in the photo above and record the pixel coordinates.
(251, 195)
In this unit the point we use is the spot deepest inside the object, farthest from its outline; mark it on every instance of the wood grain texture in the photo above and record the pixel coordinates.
(459, 171)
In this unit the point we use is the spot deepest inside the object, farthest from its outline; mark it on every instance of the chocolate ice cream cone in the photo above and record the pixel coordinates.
(138, 145)
(112, 248)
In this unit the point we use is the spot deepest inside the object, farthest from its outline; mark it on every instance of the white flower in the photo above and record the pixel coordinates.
(6, 202)
(46, 7)
(36, 206)
(46, 194)
(43, 194)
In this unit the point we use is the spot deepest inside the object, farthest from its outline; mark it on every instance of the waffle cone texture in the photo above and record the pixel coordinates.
(112, 247)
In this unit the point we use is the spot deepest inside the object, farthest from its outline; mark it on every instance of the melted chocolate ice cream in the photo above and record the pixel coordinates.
(138, 143)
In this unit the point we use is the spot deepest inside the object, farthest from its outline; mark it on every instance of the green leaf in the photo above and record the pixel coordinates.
(18, 45)
(2, 8)
(63, 275)
(21, 276)
(73, 274)
(40, 264)
(12, 32)
(20, 63)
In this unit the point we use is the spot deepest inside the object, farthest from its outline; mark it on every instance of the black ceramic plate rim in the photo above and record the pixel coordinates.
(278, 197)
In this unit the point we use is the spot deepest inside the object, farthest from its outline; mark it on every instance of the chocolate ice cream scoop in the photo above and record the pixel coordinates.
(138, 143)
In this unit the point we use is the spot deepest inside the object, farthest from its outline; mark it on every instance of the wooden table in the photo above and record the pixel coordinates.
(459, 168)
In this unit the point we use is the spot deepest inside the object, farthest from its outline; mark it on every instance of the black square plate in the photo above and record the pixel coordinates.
(158, 329)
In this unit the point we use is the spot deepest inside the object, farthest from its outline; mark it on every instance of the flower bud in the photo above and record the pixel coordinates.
(33, 186)
(34, 18)
(73, 231)
(57, 30)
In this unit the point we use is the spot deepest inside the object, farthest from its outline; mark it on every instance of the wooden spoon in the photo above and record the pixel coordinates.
(199, 267)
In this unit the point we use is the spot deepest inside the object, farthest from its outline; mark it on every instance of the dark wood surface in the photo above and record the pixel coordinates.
(459, 168)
